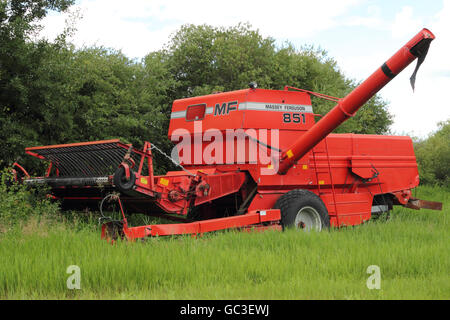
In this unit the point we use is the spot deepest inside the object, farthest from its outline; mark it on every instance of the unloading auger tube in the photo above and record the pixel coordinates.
(346, 108)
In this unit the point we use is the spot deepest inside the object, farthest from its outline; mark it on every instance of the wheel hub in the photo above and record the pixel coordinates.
(308, 219)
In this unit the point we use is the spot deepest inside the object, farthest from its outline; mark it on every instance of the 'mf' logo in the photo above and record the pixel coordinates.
(225, 108)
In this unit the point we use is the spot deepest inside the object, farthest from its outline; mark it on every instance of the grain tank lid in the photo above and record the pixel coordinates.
(242, 98)
(248, 108)
(88, 159)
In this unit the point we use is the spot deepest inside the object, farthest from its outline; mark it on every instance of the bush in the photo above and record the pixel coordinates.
(433, 156)
(18, 203)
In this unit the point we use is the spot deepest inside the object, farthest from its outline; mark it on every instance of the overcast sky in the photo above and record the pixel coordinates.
(359, 34)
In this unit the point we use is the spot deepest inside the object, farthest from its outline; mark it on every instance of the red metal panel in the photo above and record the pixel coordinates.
(267, 110)
(228, 117)
(264, 201)
(221, 185)
(353, 208)
(250, 108)
(253, 110)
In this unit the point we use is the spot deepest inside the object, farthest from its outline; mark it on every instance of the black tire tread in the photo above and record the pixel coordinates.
(118, 180)
(290, 198)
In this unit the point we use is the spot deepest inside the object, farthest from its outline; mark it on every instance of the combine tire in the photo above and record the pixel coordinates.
(302, 209)
(121, 182)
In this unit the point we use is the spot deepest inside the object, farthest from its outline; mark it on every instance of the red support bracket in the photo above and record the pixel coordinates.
(253, 218)
(21, 168)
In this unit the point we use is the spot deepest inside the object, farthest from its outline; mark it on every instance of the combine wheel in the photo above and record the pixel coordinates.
(303, 209)
(121, 182)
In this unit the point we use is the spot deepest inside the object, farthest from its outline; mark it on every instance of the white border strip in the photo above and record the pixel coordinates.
(178, 114)
(255, 106)
(261, 106)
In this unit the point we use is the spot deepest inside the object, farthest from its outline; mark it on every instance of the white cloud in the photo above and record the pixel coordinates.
(405, 22)
(111, 24)
(142, 26)
(420, 112)
(281, 19)
(373, 19)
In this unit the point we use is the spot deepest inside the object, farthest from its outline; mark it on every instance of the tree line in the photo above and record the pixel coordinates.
(52, 92)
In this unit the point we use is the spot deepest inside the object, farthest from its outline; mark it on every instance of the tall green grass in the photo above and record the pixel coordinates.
(411, 249)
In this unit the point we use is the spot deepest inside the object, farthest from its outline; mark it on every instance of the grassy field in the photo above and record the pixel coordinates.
(411, 249)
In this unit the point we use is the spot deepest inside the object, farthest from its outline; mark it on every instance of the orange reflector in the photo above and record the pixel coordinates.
(290, 154)
(164, 182)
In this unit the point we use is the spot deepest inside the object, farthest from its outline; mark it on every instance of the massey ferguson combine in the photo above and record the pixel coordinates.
(249, 159)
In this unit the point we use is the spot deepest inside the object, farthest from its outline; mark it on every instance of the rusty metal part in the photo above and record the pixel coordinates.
(112, 231)
(65, 182)
(174, 196)
(418, 204)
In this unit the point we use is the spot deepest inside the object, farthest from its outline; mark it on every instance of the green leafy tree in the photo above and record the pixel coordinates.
(23, 95)
(114, 97)
(433, 156)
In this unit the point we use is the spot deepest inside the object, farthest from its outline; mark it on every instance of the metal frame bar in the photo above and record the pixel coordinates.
(253, 218)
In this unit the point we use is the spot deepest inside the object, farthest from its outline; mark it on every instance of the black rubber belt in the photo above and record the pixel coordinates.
(388, 72)
(420, 50)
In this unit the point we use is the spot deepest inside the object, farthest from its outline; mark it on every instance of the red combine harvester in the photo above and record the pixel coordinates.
(250, 159)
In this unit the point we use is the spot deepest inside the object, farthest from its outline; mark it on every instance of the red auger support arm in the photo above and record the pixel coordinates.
(417, 47)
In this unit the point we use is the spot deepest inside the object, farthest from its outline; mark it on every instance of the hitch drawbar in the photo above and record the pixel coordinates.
(253, 220)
